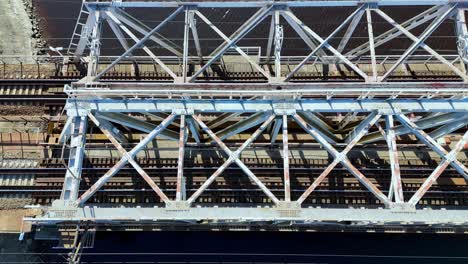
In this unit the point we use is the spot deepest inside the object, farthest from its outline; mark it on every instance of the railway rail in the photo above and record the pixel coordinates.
(44, 185)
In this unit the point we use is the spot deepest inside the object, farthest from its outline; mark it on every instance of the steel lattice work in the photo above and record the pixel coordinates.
(209, 108)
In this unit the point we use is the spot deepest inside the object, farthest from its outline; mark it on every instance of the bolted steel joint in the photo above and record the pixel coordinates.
(462, 44)
(451, 157)
(127, 156)
(234, 155)
(182, 111)
(388, 112)
(402, 207)
(341, 156)
(177, 205)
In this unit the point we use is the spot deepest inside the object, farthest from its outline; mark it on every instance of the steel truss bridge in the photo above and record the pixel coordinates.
(201, 102)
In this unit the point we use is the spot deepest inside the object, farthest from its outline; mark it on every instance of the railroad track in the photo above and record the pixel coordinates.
(339, 188)
(44, 183)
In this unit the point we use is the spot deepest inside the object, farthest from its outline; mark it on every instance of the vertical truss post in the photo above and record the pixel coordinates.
(462, 33)
(287, 182)
(95, 44)
(72, 180)
(370, 32)
(278, 43)
(186, 44)
(196, 40)
(396, 186)
(271, 37)
(180, 189)
(275, 130)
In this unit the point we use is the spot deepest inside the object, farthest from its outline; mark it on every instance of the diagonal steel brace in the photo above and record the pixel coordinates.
(340, 157)
(233, 157)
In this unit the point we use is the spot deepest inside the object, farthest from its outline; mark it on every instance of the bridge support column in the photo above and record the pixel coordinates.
(71, 185)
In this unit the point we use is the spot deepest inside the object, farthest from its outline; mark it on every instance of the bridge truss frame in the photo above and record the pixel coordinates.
(274, 102)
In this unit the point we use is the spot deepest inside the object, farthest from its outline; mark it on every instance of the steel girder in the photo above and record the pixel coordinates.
(259, 3)
(75, 106)
(386, 111)
(265, 215)
(395, 200)
(363, 61)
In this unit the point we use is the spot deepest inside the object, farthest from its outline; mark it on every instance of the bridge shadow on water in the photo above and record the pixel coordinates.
(276, 247)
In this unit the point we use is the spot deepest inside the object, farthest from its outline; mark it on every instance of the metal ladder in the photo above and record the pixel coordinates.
(78, 31)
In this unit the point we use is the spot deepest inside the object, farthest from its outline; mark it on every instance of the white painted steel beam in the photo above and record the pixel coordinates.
(370, 32)
(111, 129)
(350, 31)
(261, 3)
(275, 129)
(449, 128)
(74, 106)
(180, 187)
(137, 124)
(242, 125)
(423, 123)
(324, 129)
(71, 184)
(396, 187)
(286, 175)
(143, 215)
(393, 90)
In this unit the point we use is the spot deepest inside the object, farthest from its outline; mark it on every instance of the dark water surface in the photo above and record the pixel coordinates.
(277, 247)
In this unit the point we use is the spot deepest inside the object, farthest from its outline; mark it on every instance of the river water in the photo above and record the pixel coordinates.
(255, 247)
